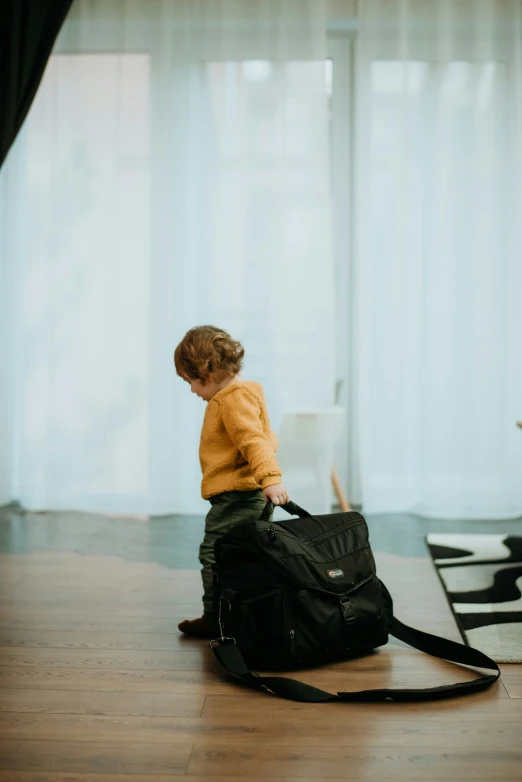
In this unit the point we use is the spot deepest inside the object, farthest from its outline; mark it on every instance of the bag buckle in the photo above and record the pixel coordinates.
(347, 610)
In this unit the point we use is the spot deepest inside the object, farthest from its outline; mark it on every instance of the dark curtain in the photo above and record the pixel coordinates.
(28, 29)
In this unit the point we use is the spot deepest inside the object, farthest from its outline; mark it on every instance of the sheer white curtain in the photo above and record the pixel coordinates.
(174, 170)
(439, 259)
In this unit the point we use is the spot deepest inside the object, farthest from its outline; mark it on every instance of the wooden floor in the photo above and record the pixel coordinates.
(98, 686)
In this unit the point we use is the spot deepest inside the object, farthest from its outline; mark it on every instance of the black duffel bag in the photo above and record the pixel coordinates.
(303, 592)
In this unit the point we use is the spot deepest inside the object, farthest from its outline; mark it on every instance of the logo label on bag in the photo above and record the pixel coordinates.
(335, 573)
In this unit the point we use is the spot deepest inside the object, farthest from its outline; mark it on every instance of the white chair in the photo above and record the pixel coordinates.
(307, 441)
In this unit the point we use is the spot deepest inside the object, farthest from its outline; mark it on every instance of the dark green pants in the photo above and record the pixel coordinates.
(228, 509)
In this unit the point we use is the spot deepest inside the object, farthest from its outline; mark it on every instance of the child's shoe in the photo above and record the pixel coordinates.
(204, 627)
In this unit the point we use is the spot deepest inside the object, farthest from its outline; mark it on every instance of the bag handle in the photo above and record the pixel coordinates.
(230, 657)
(290, 507)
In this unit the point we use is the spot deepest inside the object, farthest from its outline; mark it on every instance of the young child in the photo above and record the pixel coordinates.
(237, 448)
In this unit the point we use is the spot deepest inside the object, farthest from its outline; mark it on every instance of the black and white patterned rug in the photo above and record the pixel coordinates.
(482, 577)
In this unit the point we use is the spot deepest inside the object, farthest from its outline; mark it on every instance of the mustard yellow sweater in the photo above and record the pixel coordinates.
(237, 449)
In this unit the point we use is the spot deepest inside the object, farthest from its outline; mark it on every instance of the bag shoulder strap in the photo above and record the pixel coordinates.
(230, 657)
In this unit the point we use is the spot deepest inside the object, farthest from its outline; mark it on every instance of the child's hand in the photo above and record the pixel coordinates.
(277, 494)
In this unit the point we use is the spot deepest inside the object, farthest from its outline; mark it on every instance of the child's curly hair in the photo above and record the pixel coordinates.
(206, 351)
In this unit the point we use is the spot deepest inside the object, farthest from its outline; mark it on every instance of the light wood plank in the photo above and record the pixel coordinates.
(38, 609)
(365, 762)
(92, 622)
(46, 776)
(95, 579)
(332, 729)
(103, 703)
(66, 639)
(67, 776)
(50, 564)
(87, 757)
(85, 593)
(117, 658)
(512, 680)
(103, 679)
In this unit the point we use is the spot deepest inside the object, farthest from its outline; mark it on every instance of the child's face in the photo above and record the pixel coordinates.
(205, 391)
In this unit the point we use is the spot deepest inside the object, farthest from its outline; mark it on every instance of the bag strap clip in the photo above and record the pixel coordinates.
(347, 610)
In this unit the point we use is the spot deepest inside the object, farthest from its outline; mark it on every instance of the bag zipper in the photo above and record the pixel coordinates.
(335, 531)
(281, 531)
(292, 644)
